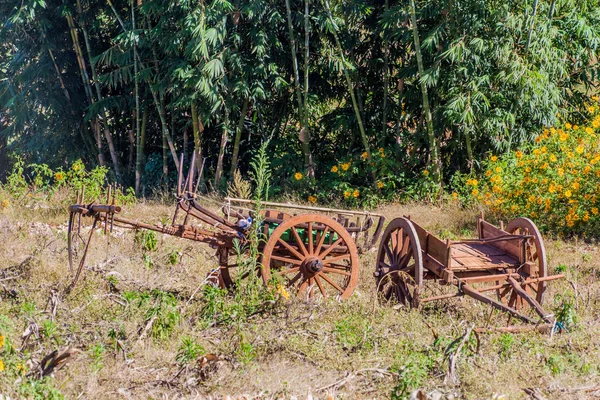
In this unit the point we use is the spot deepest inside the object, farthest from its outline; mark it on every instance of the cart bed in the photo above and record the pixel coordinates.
(479, 256)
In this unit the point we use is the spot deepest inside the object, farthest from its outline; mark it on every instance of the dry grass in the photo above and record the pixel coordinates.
(353, 349)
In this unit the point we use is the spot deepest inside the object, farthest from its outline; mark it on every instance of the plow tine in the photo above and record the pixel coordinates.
(199, 175)
(180, 176)
(191, 173)
(82, 262)
(70, 239)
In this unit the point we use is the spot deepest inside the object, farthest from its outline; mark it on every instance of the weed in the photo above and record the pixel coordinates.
(188, 351)
(147, 240)
(505, 342)
(561, 268)
(353, 332)
(412, 372)
(159, 306)
(49, 328)
(173, 258)
(97, 356)
(566, 316)
(556, 364)
(245, 351)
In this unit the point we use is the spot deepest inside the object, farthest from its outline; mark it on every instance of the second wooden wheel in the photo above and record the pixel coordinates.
(399, 270)
(315, 256)
(534, 266)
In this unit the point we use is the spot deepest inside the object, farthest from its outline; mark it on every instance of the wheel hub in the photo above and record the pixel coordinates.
(311, 266)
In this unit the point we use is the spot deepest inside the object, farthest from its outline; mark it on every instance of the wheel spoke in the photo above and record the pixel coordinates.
(291, 249)
(320, 286)
(310, 238)
(294, 279)
(302, 287)
(321, 240)
(286, 260)
(336, 271)
(290, 270)
(330, 248)
(332, 283)
(388, 252)
(300, 242)
(335, 259)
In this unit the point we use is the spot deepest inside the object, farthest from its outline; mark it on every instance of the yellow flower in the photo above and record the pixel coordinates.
(334, 168)
(20, 368)
(1, 341)
(488, 173)
(283, 292)
(1, 365)
(498, 169)
(312, 199)
(365, 155)
(586, 217)
(563, 137)
(589, 130)
(59, 176)
(575, 127)
(347, 194)
(298, 176)
(579, 149)
(568, 125)
(527, 169)
(568, 193)
(345, 166)
(475, 192)
(553, 158)
(575, 186)
(426, 173)
(356, 193)
(454, 195)
(5, 203)
(595, 210)
(380, 184)
(595, 98)
(75, 167)
(381, 152)
(494, 158)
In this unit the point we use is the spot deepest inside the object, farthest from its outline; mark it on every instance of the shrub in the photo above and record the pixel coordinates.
(554, 181)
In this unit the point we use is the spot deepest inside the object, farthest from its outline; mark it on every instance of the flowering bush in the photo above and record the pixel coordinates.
(555, 181)
(38, 181)
(349, 181)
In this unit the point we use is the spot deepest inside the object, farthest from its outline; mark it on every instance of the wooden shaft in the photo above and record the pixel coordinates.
(469, 291)
(532, 302)
(299, 207)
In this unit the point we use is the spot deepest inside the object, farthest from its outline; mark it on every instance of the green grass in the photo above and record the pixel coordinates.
(139, 328)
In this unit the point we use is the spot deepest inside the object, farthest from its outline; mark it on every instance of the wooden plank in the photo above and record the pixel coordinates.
(511, 246)
(437, 249)
(423, 235)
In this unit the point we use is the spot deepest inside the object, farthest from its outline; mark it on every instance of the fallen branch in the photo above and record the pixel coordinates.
(453, 358)
(351, 375)
(541, 328)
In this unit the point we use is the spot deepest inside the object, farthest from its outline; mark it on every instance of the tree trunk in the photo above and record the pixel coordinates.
(350, 86)
(433, 145)
(197, 129)
(386, 71)
(224, 137)
(304, 132)
(86, 86)
(238, 136)
(107, 134)
(139, 147)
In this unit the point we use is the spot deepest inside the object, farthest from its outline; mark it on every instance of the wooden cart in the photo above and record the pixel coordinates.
(315, 253)
(505, 267)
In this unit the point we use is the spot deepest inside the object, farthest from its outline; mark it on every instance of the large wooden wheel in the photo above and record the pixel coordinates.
(534, 267)
(399, 271)
(314, 255)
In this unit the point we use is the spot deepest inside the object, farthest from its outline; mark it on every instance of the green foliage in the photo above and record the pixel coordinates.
(412, 371)
(565, 314)
(505, 345)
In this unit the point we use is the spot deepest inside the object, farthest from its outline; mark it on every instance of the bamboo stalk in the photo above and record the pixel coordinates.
(350, 85)
(433, 145)
(107, 134)
(224, 138)
(304, 132)
(238, 137)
